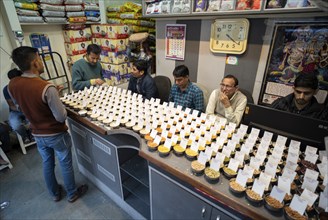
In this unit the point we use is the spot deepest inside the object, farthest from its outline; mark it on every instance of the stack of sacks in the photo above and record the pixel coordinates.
(92, 12)
(113, 40)
(77, 37)
(53, 11)
(74, 11)
(131, 14)
(27, 11)
(98, 32)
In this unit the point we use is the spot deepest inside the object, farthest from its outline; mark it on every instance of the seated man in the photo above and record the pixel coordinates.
(17, 120)
(228, 101)
(88, 71)
(141, 82)
(184, 92)
(302, 100)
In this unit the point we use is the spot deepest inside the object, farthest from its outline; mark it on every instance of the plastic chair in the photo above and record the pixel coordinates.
(4, 156)
(205, 93)
(163, 84)
(21, 143)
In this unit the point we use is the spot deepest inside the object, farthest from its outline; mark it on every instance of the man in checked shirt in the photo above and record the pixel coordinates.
(184, 92)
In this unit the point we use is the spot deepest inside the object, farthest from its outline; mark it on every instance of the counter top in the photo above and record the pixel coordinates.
(180, 168)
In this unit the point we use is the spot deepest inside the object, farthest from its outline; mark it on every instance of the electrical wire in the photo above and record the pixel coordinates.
(6, 52)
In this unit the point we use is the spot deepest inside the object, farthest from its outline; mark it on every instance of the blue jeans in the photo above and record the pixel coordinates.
(60, 144)
(17, 122)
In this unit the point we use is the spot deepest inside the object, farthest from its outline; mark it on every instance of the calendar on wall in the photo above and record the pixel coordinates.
(175, 41)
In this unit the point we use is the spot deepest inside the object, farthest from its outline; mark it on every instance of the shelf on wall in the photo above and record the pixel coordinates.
(263, 12)
(45, 23)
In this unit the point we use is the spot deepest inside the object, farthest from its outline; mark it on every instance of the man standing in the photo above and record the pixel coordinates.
(88, 71)
(184, 92)
(227, 102)
(302, 100)
(40, 103)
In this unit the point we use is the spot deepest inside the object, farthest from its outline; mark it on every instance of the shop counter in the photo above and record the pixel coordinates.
(148, 186)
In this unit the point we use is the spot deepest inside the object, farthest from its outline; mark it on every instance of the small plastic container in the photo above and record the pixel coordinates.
(253, 198)
(178, 150)
(190, 154)
(148, 137)
(114, 125)
(236, 189)
(137, 128)
(273, 205)
(291, 214)
(197, 168)
(163, 151)
(211, 176)
(129, 125)
(152, 146)
(229, 173)
(144, 132)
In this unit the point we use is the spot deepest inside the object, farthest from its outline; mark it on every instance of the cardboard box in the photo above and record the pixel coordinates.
(114, 45)
(114, 57)
(77, 48)
(74, 36)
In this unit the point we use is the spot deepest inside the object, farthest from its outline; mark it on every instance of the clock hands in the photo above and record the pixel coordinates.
(233, 39)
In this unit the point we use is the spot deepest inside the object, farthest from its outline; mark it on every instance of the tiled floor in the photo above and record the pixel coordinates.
(24, 187)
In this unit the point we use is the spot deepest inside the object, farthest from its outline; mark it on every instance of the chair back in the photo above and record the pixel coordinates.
(205, 94)
(163, 84)
(248, 95)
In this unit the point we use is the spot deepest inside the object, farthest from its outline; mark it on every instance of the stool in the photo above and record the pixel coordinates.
(21, 143)
(4, 156)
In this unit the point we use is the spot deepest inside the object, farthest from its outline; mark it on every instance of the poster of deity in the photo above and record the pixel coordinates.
(296, 48)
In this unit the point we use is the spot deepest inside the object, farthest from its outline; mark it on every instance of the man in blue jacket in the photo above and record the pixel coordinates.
(141, 82)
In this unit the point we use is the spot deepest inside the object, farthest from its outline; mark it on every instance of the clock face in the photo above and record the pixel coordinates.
(229, 36)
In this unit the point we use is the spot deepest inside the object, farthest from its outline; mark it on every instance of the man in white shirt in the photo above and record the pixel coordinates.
(228, 101)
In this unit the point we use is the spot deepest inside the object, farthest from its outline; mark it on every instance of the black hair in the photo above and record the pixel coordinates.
(141, 65)
(181, 71)
(306, 80)
(232, 77)
(14, 73)
(23, 56)
(93, 48)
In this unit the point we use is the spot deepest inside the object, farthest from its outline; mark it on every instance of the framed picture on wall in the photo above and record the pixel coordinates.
(295, 48)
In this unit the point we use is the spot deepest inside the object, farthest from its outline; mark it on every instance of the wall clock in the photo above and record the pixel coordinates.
(229, 36)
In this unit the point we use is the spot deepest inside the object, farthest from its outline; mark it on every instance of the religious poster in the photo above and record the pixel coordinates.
(175, 41)
(296, 48)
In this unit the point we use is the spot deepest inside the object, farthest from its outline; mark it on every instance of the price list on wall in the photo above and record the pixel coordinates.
(175, 41)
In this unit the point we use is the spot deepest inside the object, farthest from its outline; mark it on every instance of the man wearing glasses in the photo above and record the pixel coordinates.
(227, 102)
(88, 71)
